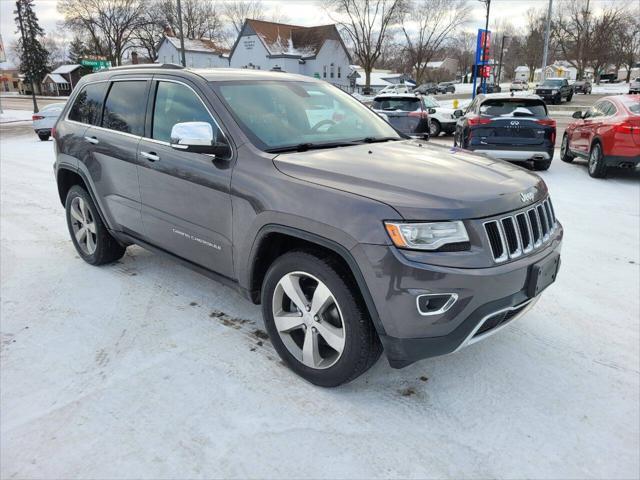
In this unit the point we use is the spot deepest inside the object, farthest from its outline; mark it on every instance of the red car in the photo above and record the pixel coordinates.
(608, 135)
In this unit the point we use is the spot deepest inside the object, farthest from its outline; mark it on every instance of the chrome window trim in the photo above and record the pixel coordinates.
(448, 304)
(142, 137)
(470, 339)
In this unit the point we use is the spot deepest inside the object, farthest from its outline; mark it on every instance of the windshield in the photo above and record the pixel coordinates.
(553, 83)
(405, 104)
(277, 114)
(430, 102)
(513, 108)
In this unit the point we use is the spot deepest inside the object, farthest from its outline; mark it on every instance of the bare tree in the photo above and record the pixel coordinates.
(236, 12)
(366, 23)
(108, 24)
(463, 48)
(200, 18)
(532, 44)
(584, 37)
(435, 21)
(626, 44)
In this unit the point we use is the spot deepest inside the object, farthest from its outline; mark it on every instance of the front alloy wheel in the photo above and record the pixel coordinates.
(308, 320)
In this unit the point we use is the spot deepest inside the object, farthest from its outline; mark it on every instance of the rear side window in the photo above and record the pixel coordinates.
(390, 104)
(124, 109)
(513, 108)
(176, 103)
(88, 104)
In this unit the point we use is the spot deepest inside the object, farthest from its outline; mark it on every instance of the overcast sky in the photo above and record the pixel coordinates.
(302, 12)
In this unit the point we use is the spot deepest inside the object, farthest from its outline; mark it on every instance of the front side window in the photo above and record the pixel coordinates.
(88, 104)
(596, 111)
(177, 103)
(280, 114)
(125, 107)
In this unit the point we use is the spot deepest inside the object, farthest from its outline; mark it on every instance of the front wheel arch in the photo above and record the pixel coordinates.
(274, 240)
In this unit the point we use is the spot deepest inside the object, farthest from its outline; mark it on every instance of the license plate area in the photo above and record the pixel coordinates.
(542, 274)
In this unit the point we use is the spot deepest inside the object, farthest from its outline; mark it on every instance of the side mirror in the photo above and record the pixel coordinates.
(577, 114)
(431, 111)
(197, 137)
(458, 113)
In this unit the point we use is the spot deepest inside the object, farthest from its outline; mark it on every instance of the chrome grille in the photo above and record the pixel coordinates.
(518, 234)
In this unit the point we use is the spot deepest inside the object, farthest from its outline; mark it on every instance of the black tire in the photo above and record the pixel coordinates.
(557, 100)
(362, 346)
(541, 165)
(434, 128)
(107, 248)
(596, 166)
(44, 136)
(569, 97)
(565, 153)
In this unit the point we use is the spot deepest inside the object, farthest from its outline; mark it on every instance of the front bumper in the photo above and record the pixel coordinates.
(395, 281)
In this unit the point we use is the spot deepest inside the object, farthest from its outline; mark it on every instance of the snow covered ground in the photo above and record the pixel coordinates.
(144, 369)
(15, 116)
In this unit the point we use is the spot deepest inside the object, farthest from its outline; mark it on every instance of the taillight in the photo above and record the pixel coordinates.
(625, 127)
(419, 114)
(37, 117)
(53, 132)
(546, 121)
(473, 121)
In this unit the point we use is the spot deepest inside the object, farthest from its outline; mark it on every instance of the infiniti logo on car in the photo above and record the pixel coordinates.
(527, 197)
(515, 122)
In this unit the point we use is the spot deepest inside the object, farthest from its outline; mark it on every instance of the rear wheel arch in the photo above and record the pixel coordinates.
(67, 178)
(273, 241)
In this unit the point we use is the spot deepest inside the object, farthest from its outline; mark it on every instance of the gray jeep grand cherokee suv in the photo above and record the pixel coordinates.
(353, 238)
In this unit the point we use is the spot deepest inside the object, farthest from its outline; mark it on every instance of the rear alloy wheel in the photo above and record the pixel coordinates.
(91, 238)
(597, 167)
(565, 153)
(315, 319)
(434, 128)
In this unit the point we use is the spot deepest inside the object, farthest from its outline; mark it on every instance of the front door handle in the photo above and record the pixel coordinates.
(151, 156)
(93, 140)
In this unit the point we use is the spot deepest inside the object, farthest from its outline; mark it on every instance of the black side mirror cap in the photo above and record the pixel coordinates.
(577, 114)
(458, 113)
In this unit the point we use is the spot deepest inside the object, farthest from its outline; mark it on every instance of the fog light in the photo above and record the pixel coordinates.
(435, 303)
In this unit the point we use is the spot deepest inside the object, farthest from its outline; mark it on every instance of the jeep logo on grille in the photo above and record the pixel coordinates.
(527, 197)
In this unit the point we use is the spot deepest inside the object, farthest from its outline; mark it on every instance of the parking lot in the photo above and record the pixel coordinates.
(144, 369)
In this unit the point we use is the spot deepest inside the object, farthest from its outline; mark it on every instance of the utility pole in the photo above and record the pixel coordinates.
(547, 34)
(484, 46)
(500, 61)
(184, 60)
(24, 45)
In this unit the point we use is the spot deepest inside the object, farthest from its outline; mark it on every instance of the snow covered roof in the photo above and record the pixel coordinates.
(435, 64)
(62, 69)
(56, 78)
(381, 78)
(197, 45)
(293, 40)
(522, 68)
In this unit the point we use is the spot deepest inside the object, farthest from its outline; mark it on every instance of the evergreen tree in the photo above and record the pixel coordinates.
(34, 57)
(77, 50)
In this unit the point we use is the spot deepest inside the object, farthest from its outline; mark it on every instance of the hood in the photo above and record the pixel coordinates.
(421, 181)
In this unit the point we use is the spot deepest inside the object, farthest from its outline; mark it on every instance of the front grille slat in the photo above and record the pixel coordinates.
(515, 235)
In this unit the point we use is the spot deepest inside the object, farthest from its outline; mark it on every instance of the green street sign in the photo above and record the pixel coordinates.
(95, 63)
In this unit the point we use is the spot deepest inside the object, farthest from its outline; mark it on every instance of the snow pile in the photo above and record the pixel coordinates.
(15, 116)
(610, 88)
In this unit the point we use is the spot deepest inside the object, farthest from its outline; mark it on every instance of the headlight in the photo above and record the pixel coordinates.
(426, 236)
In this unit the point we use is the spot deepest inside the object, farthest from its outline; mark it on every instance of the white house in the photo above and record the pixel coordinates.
(313, 51)
(559, 69)
(199, 53)
(379, 79)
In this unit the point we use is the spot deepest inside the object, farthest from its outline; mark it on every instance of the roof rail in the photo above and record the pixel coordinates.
(168, 66)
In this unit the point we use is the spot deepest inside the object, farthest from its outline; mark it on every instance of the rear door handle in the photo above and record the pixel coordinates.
(93, 140)
(151, 156)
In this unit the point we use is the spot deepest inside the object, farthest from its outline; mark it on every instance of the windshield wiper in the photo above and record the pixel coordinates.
(303, 147)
